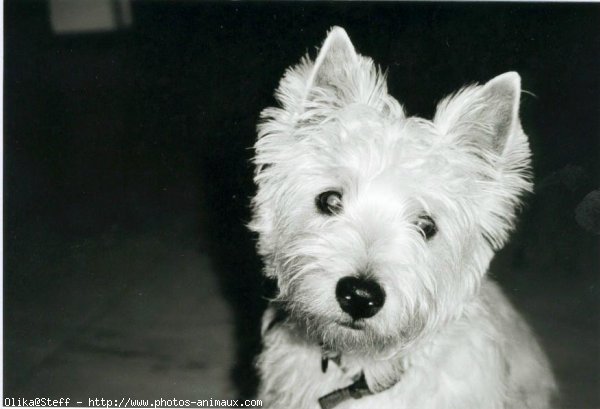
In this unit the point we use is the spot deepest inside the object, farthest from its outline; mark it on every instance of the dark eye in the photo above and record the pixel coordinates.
(426, 226)
(329, 202)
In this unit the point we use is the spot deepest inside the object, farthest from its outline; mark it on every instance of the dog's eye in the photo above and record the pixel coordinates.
(426, 226)
(329, 202)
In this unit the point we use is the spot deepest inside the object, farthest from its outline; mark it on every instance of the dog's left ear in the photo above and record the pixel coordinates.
(333, 64)
(487, 116)
(484, 120)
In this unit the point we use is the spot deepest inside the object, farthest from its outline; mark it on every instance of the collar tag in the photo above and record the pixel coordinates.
(326, 356)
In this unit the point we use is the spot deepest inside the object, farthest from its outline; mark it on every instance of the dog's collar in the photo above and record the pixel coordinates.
(356, 390)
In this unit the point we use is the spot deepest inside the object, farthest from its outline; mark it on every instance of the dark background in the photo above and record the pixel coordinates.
(121, 148)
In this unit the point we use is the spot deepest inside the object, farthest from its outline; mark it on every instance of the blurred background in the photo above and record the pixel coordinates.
(128, 270)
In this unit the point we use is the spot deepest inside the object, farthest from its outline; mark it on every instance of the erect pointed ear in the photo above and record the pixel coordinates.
(335, 58)
(501, 96)
(488, 116)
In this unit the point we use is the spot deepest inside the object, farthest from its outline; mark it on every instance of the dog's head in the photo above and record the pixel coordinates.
(378, 226)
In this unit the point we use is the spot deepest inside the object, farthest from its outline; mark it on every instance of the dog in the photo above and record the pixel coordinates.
(379, 230)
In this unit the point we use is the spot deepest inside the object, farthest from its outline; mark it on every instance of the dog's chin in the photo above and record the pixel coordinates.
(364, 336)
(356, 336)
(347, 335)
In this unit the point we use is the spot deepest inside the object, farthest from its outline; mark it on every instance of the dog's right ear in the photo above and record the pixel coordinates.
(333, 64)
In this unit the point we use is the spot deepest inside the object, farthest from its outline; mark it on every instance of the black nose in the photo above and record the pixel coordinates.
(359, 297)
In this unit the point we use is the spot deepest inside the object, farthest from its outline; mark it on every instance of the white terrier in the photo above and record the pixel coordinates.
(379, 229)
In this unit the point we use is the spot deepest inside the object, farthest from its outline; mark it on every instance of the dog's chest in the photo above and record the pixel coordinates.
(299, 375)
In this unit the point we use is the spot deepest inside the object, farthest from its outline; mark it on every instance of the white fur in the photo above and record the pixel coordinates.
(446, 337)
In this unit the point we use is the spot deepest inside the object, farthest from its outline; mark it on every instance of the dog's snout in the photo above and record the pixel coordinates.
(359, 297)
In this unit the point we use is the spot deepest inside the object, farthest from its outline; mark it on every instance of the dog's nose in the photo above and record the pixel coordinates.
(359, 297)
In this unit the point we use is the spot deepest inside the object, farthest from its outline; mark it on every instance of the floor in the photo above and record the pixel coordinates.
(149, 321)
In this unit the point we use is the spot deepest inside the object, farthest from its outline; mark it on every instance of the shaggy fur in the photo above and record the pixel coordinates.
(446, 337)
